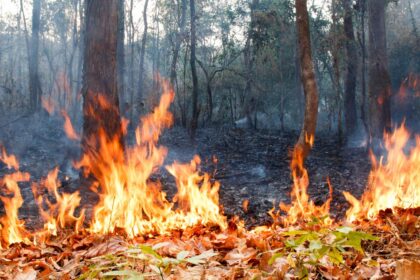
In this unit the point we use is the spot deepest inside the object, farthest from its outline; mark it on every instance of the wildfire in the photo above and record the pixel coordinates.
(12, 229)
(129, 200)
(132, 202)
(302, 208)
(393, 182)
(59, 213)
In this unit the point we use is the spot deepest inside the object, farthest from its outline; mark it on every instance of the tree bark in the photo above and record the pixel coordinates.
(350, 112)
(195, 112)
(142, 54)
(101, 112)
(34, 82)
(179, 38)
(379, 79)
(304, 144)
(120, 49)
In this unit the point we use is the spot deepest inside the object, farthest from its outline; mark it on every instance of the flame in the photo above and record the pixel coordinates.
(9, 160)
(128, 199)
(201, 203)
(12, 228)
(394, 182)
(302, 208)
(411, 84)
(61, 212)
(48, 104)
(68, 127)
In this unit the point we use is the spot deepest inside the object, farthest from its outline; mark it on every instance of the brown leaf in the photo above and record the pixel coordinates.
(111, 246)
(237, 256)
(27, 274)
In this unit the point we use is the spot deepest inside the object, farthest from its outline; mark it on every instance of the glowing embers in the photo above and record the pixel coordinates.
(393, 182)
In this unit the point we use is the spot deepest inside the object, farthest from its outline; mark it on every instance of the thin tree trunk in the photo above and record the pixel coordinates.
(336, 70)
(350, 112)
(307, 135)
(101, 112)
(120, 50)
(195, 112)
(131, 77)
(379, 80)
(34, 81)
(140, 93)
(179, 38)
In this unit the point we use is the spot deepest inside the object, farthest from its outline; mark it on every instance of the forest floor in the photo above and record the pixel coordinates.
(251, 165)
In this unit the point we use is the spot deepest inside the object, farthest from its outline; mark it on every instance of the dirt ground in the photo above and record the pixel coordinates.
(251, 165)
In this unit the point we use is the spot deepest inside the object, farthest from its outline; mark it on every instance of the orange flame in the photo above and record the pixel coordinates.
(392, 183)
(201, 203)
(302, 208)
(12, 228)
(68, 127)
(61, 212)
(128, 199)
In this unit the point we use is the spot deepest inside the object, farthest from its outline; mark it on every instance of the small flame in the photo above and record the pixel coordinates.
(9, 160)
(68, 127)
(394, 182)
(197, 196)
(12, 228)
(61, 212)
(302, 208)
(48, 104)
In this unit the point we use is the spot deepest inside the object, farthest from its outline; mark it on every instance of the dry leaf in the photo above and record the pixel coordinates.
(27, 274)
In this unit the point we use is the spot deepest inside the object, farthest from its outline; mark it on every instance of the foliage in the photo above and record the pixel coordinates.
(305, 249)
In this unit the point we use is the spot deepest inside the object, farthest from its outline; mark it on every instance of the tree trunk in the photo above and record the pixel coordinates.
(131, 77)
(304, 144)
(179, 38)
(350, 112)
(336, 78)
(249, 102)
(101, 112)
(120, 50)
(195, 112)
(34, 82)
(142, 53)
(379, 80)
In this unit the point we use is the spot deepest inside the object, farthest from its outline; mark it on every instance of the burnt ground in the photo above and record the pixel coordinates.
(251, 165)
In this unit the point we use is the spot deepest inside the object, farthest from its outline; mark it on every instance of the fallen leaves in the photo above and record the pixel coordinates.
(203, 253)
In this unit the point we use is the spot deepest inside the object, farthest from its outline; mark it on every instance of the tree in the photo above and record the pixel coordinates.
(379, 79)
(350, 113)
(34, 82)
(304, 144)
(142, 54)
(179, 38)
(195, 111)
(120, 48)
(101, 112)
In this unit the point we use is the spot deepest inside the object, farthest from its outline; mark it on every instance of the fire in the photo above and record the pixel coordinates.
(302, 208)
(12, 228)
(394, 181)
(129, 200)
(68, 127)
(200, 203)
(60, 213)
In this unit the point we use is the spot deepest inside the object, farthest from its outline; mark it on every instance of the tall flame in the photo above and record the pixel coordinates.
(12, 228)
(128, 199)
(302, 207)
(394, 182)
